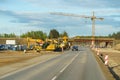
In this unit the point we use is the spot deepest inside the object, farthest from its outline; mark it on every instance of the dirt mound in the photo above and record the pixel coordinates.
(117, 47)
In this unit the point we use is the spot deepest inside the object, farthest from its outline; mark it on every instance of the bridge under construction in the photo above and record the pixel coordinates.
(99, 42)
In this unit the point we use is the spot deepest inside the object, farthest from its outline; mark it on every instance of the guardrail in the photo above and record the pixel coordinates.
(105, 60)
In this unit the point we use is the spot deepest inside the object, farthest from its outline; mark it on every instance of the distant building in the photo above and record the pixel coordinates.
(17, 41)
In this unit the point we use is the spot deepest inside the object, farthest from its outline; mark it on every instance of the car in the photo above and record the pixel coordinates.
(74, 48)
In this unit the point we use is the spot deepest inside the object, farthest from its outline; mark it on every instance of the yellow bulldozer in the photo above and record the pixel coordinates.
(50, 44)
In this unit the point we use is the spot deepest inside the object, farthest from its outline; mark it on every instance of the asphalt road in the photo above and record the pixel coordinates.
(71, 65)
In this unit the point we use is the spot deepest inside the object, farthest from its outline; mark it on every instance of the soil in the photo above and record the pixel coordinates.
(14, 60)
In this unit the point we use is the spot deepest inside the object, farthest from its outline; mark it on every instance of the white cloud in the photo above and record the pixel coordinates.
(106, 29)
(38, 17)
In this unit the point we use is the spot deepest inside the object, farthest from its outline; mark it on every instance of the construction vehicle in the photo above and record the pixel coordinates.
(56, 44)
(65, 44)
(34, 44)
(50, 44)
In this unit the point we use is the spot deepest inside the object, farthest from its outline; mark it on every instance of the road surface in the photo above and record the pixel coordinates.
(71, 65)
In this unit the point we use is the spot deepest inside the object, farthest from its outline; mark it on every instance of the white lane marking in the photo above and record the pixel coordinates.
(65, 66)
(24, 68)
(54, 78)
(68, 64)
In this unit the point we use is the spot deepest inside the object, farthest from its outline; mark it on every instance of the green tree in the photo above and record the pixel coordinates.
(53, 34)
(35, 35)
(115, 35)
(64, 34)
(12, 35)
(5, 35)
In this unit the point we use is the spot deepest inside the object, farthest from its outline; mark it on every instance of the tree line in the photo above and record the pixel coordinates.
(52, 34)
(11, 35)
(115, 35)
(37, 34)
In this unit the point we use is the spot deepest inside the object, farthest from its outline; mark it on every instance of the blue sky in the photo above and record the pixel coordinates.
(20, 16)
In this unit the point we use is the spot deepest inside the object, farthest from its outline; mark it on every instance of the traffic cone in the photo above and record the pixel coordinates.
(98, 52)
(24, 51)
(106, 59)
(106, 62)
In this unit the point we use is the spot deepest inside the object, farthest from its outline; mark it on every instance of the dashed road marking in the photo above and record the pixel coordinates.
(54, 78)
(68, 64)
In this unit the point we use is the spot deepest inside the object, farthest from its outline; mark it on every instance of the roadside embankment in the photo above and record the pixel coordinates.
(113, 64)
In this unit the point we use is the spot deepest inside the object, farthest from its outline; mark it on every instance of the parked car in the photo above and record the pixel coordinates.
(2, 47)
(74, 48)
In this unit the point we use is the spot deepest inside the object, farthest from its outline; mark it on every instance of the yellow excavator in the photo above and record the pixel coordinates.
(56, 44)
(65, 44)
(34, 44)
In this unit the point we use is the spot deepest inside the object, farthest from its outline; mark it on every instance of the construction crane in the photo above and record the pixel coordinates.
(93, 18)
